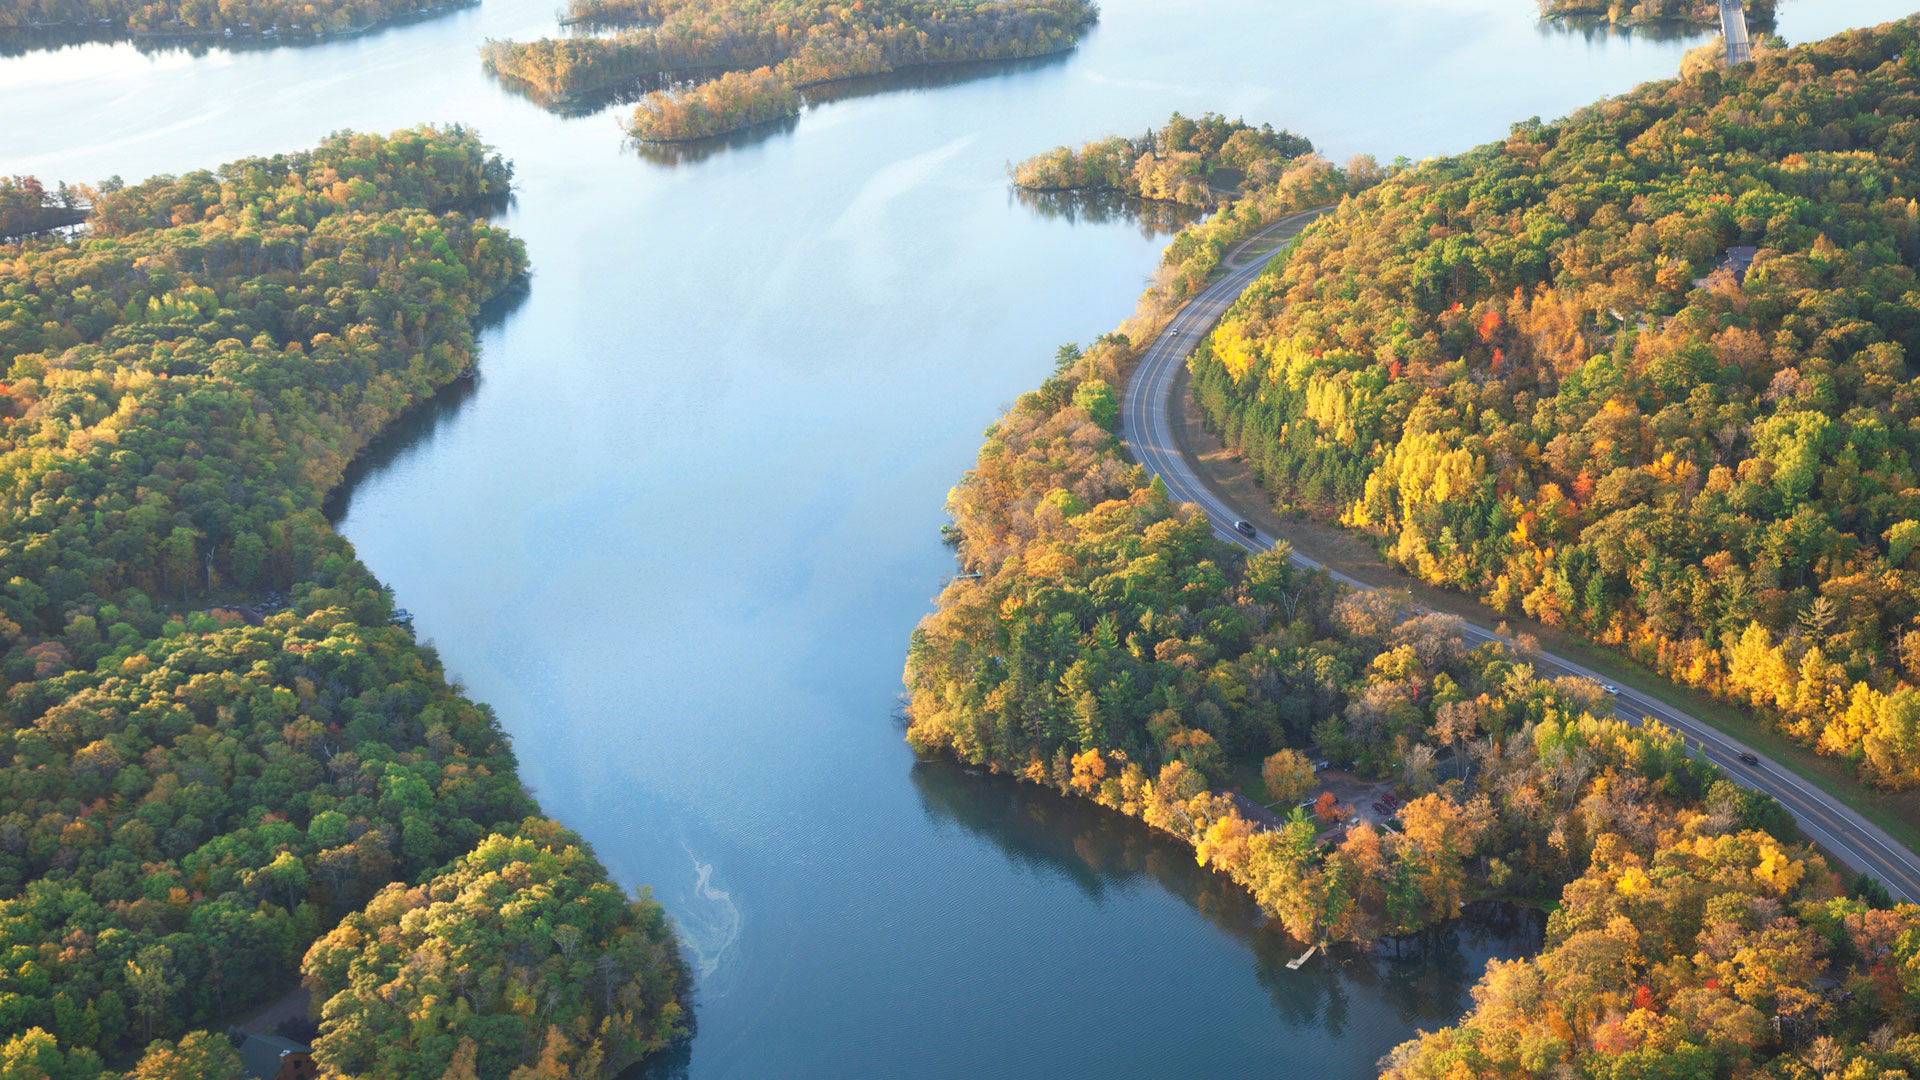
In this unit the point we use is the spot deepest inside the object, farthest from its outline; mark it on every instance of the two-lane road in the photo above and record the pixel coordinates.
(1148, 432)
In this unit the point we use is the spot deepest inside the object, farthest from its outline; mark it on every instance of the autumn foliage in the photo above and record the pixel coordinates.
(743, 62)
(1111, 647)
(1540, 372)
(734, 100)
(198, 18)
(1199, 162)
(215, 739)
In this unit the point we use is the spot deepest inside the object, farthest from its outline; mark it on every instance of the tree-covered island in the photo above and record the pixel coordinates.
(225, 764)
(731, 64)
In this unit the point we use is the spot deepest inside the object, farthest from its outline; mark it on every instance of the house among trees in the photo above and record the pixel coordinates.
(1737, 261)
(271, 1057)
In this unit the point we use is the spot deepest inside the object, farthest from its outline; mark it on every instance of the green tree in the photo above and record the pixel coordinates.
(199, 1055)
(1097, 400)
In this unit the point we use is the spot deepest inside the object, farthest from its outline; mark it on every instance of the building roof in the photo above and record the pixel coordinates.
(1737, 261)
(261, 1054)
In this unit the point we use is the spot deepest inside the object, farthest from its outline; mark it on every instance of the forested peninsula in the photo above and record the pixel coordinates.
(1202, 162)
(204, 19)
(1110, 647)
(1642, 374)
(731, 64)
(220, 751)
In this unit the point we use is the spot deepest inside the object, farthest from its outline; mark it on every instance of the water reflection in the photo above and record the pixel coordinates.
(631, 89)
(18, 42)
(694, 151)
(934, 77)
(1423, 982)
(1153, 219)
(626, 91)
(1594, 28)
(418, 425)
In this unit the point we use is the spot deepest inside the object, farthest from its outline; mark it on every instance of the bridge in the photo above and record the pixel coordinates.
(1733, 27)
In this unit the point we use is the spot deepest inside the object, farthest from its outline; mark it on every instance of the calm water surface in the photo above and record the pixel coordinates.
(679, 528)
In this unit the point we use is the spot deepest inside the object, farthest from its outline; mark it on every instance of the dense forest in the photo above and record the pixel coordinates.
(1717, 954)
(732, 101)
(1698, 13)
(205, 18)
(217, 745)
(1200, 162)
(798, 43)
(1111, 647)
(1105, 644)
(1643, 374)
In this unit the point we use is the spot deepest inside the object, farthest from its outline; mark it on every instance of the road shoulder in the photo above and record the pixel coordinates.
(1224, 471)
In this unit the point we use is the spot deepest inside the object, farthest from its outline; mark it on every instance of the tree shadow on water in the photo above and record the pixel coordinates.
(418, 424)
(1595, 28)
(18, 41)
(1424, 982)
(692, 151)
(1154, 219)
(931, 77)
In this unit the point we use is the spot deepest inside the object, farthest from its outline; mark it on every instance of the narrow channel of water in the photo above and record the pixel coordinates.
(678, 529)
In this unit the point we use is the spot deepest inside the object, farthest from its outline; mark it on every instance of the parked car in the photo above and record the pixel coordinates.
(1750, 761)
(1321, 766)
(1244, 528)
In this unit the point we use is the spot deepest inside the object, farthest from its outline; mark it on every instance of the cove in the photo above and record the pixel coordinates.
(678, 528)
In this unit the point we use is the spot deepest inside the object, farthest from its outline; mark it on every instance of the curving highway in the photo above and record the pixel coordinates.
(1146, 428)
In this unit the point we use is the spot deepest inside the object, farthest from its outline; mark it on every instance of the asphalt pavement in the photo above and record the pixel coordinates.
(1147, 429)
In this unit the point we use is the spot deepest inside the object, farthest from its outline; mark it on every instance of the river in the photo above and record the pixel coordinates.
(678, 529)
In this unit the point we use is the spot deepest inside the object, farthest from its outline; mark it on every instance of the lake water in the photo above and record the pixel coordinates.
(679, 528)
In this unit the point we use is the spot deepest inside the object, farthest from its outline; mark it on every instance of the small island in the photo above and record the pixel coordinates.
(149, 20)
(1199, 163)
(718, 66)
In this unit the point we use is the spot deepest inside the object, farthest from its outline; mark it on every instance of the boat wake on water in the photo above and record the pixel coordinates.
(708, 931)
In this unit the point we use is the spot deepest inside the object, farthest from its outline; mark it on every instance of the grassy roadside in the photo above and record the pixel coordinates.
(1896, 812)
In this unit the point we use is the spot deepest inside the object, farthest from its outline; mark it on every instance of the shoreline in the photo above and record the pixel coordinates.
(1516, 908)
(107, 32)
(1225, 197)
(599, 95)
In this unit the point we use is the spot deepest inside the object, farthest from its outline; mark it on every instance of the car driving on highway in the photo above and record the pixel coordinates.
(1244, 527)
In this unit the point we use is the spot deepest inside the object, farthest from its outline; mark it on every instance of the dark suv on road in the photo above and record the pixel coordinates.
(1244, 528)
